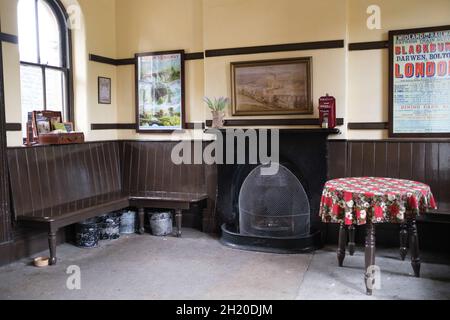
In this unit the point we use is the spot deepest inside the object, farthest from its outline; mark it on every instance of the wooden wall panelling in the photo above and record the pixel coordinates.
(393, 160)
(432, 168)
(444, 175)
(406, 160)
(337, 159)
(380, 163)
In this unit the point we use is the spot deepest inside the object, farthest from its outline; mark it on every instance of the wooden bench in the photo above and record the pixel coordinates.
(167, 200)
(56, 186)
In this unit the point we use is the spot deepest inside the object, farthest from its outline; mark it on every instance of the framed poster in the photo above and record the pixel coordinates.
(419, 82)
(160, 91)
(104, 90)
(272, 87)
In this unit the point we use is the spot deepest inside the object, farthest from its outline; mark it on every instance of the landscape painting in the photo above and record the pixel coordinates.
(272, 87)
(160, 91)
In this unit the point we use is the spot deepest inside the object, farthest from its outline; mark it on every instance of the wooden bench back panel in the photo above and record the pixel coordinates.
(148, 167)
(49, 176)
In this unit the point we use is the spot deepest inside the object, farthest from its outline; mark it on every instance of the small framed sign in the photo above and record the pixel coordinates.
(104, 90)
(419, 82)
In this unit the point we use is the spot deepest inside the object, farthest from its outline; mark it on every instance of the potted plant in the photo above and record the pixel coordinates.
(217, 107)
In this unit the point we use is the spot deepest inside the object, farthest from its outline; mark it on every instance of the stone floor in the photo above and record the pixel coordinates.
(197, 266)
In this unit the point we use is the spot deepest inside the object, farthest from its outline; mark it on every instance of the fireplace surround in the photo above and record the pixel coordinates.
(277, 213)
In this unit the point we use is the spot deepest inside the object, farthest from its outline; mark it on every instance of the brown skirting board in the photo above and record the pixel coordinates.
(368, 125)
(273, 122)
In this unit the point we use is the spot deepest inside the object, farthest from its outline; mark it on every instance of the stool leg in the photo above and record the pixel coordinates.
(370, 257)
(141, 213)
(414, 246)
(52, 247)
(178, 219)
(351, 241)
(341, 245)
(403, 240)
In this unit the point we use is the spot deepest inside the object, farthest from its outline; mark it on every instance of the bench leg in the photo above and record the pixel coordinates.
(141, 214)
(370, 257)
(414, 246)
(341, 245)
(52, 247)
(179, 220)
(403, 240)
(351, 240)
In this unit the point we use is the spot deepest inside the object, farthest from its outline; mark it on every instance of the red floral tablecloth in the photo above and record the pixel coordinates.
(355, 200)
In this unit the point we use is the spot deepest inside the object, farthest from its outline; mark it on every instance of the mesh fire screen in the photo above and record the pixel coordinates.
(273, 205)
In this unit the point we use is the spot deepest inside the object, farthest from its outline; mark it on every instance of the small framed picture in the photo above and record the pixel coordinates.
(104, 90)
(68, 126)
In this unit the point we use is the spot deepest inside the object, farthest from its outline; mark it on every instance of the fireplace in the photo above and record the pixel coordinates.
(273, 205)
(275, 213)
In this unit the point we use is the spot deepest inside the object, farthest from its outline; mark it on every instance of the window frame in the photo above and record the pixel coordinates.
(65, 57)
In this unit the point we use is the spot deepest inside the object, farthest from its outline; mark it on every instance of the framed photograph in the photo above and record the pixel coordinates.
(68, 126)
(104, 90)
(419, 82)
(272, 87)
(160, 91)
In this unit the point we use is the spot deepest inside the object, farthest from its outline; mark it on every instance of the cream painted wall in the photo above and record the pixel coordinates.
(234, 23)
(11, 70)
(368, 70)
(155, 25)
(96, 34)
(121, 28)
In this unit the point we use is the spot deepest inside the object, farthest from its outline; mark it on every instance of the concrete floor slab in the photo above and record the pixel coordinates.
(197, 266)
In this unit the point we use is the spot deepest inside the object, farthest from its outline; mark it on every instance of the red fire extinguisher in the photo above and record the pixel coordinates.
(327, 112)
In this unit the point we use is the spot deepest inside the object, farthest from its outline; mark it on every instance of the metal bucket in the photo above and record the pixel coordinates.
(87, 234)
(109, 226)
(128, 222)
(161, 223)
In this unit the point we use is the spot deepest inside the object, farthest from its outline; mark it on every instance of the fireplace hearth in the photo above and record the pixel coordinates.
(276, 213)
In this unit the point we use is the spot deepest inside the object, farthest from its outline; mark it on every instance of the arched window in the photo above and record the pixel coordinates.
(44, 46)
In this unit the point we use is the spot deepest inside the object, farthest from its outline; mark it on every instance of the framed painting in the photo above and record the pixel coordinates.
(160, 92)
(419, 82)
(272, 87)
(104, 90)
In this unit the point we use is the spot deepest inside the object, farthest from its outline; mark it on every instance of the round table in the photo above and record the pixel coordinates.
(369, 201)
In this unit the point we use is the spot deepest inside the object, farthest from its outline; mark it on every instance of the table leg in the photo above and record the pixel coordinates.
(351, 241)
(141, 214)
(52, 247)
(403, 240)
(178, 219)
(370, 257)
(414, 246)
(341, 244)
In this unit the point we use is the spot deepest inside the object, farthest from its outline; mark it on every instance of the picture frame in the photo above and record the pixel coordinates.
(104, 90)
(419, 83)
(69, 126)
(160, 92)
(272, 87)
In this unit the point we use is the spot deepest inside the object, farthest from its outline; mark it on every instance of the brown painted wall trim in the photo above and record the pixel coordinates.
(194, 56)
(132, 61)
(13, 127)
(113, 126)
(105, 60)
(332, 44)
(127, 126)
(373, 45)
(125, 62)
(6, 37)
(368, 125)
(273, 122)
